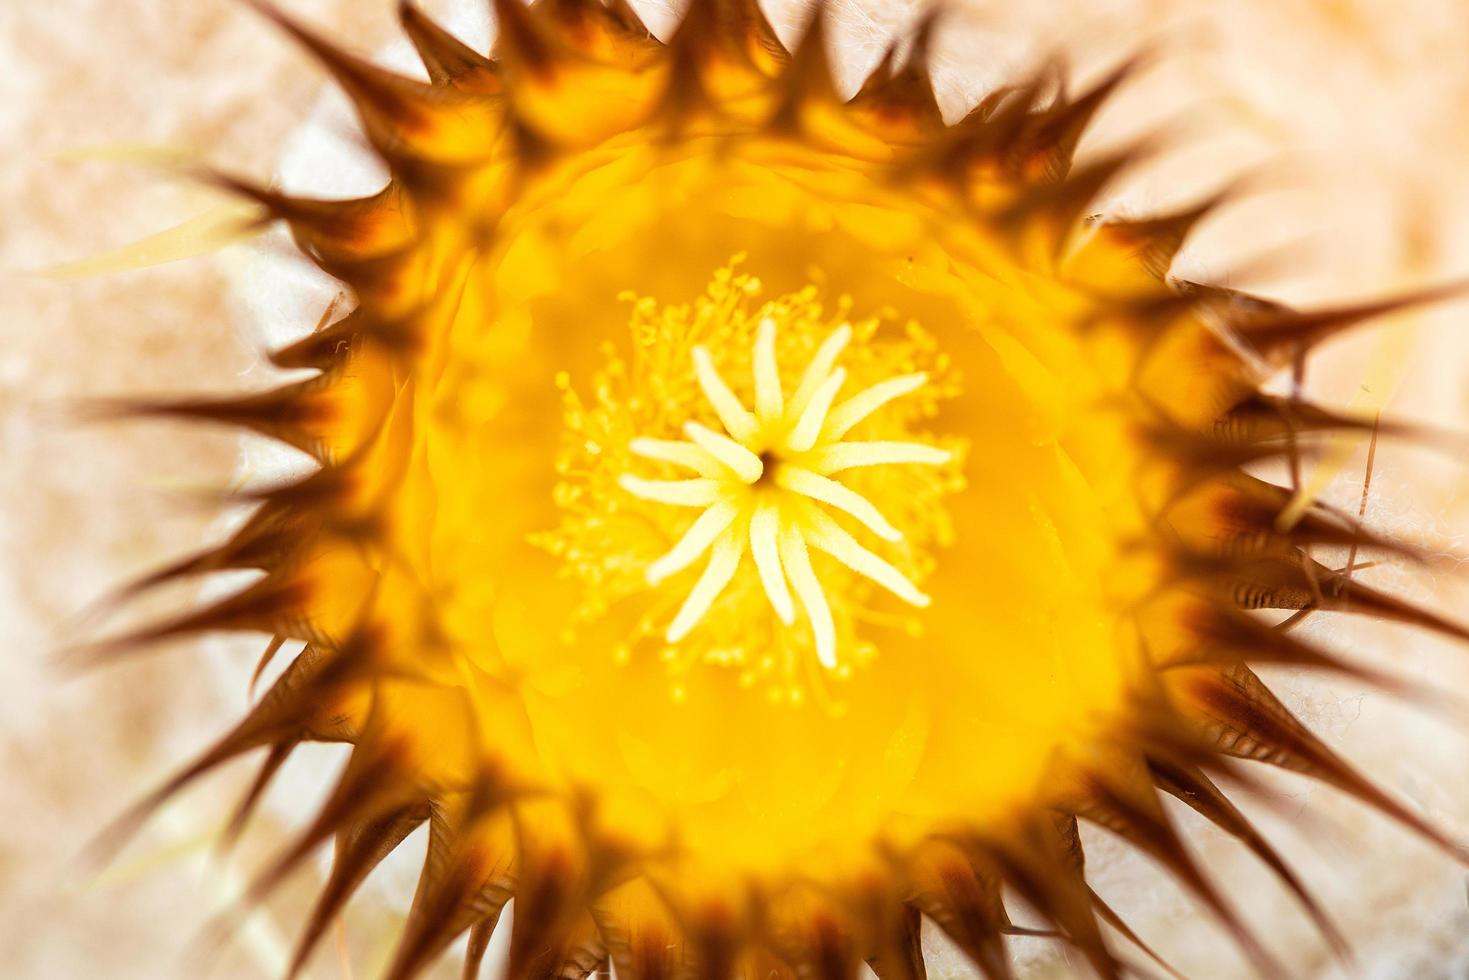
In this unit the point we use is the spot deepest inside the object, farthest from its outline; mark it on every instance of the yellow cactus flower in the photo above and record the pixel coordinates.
(751, 522)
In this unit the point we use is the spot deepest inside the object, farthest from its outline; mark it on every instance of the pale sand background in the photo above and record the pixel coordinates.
(1358, 106)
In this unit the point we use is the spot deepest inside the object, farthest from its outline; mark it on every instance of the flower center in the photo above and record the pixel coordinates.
(771, 462)
(764, 484)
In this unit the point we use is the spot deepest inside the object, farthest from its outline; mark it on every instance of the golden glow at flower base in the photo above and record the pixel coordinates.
(804, 610)
(751, 521)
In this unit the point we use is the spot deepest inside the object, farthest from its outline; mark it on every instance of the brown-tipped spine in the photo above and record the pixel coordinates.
(446, 58)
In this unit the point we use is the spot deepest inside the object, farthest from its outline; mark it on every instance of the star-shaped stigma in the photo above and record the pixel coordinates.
(764, 483)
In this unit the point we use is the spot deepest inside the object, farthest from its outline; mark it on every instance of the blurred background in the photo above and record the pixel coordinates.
(1348, 114)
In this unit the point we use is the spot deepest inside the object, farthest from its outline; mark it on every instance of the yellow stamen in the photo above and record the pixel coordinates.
(696, 540)
(821, 366)
(737, 422)
(743, 463)
(765, 547)
(778, 536)
(851, 455)
(851, 412)
(678, 453)
(768, 397)
(829, 491)
(797, 561)
(828, 536)
(808, 427)
(798, 532)
(721, 568)
(680, 493)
